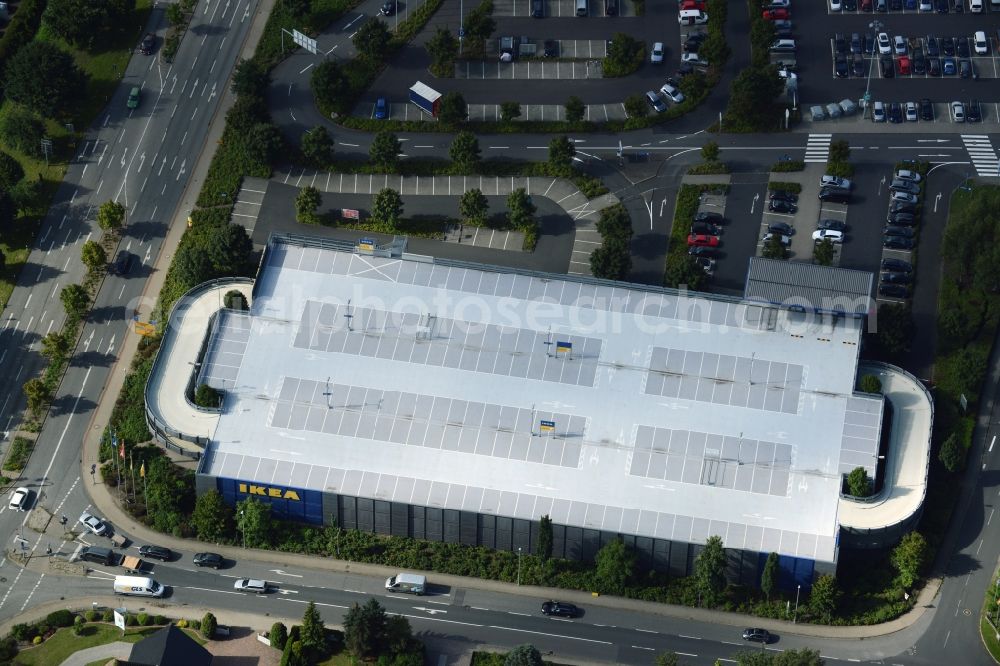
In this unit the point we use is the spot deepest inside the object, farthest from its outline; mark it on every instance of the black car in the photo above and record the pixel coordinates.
(855, 42)
(705, 228)
(782, 228)
(714, 218)
(611, 7)
(781, 206)
(902, 207)
(941, 6)
(840, 67)
(858, 66)
(701, 251)
(892, 277)
(898, 243)
(931, 44)
(123, 262)
(888, 67)
(850, 5)
(893, 290)
(835, 195)
(896, 5)
(973, 113)
(560, 609)
(965, 70)
(839, 44)
(919, 63)
(962, 47)
(757, 635)
(388, 8)
(550, 48)
(833, 225)
(147, 44)
(213, 560)
(782, 195)
(869, 44)
(693, 41)
(902, 219)
(926, 109)
(905, 232)
(948, 46)
(537, 8)
(156, 553)
(896, 266)
(895, 113)
(934, 66)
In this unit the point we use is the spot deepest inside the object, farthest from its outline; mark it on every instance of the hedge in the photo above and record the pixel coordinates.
(788, 165)
(794, 188)
(709, 168)
(22, 28)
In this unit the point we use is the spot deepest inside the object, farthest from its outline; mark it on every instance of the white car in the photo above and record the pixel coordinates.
(775, 4)
(884, 45)
(911, 112)
(926, 6)
(785, 240)
(656, 55)
(831, 235)
(787, 74)
(835, 181)
(957, 112)
(899, 44)
(93, 524)
(903, 196)
(672, 93)
(19, 499)
(980, 43)
(250, 585)
(693, 58)
(906, 174)
(835, 6)
(878, 112)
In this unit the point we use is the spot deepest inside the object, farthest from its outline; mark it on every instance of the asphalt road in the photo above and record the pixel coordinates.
(142, 159)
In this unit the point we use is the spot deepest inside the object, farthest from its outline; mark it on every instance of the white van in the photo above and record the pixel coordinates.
(581, 8)
(405, 582)
(692, 17)
(976, 6)
(138, 586)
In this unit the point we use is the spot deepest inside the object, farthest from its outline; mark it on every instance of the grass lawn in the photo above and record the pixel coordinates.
(63, 643)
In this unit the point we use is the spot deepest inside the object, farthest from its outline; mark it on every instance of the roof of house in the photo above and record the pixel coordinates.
(168, 647)
(810, 287)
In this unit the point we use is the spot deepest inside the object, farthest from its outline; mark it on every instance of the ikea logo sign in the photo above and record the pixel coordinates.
(268, 491)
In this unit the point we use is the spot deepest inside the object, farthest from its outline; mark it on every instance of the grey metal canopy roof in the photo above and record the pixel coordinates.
(809, 287)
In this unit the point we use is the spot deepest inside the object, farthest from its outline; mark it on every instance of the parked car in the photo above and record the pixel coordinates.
(835, 181)
(707, 264)
(703, 239)
(926, 109)
(980, 43)
(962, 49)
(897, 265)
(878, 112)
(884, 45)
(903, 196)
(905, 232)
(776, 14)
(147, 44)
(840, 67)
(560, 609)
(781, 206)
(706, 216)
(934, 66)
(833, 225)
(965, 69)
(948, 66)
(891, 277)
(893, 290)
(701, 251)
(888, 66)
(902, 207)
(654, 101)
(895, 113)
(381, 109)
(785, 240)
(156, 553)
(902, 219)
(705, 228)
(899, 45)
(904, 185)
(19, 499)
(957, 112)
(831, 235)
(898, 243)
(835, 195)
(656, 54)
(757, 635)
(932, 45)
(858, 66)
(672, 93)
(213, 560)
(911, 112)
(948, 46)
(973, 112)
(855, 42)
(781, 228)
(782, 195)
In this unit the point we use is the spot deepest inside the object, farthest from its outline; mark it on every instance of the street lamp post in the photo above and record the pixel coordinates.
(243, 530)
(877, 26)
(795, 616)
(518, 565)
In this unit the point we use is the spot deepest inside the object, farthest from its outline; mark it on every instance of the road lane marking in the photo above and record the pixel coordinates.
(543, 633)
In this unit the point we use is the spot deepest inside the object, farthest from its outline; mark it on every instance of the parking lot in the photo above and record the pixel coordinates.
(557, 8)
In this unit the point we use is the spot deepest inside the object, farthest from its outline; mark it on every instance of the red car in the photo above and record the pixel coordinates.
(777, 14)
(866, 6)
(904, 66)
(703, 240)
(693, 4)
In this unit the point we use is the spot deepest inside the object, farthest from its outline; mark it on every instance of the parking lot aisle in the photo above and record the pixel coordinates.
(818, 148)
(984, 157)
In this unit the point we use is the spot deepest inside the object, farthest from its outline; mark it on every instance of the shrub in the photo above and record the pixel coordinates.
(22, 631)
(208, 625)
(788, 165)
(37, 640)
(143, 619)
(78, 624)
(159, 619)
(60, 618)
(278, 635)
(130, 620)
(108, 616)
(194, 624)
(794, 188)
(182, 623)
(92, 616)
(625, 55)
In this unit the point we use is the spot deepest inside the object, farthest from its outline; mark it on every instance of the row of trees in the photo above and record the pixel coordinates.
(753, 92)
(613, 259)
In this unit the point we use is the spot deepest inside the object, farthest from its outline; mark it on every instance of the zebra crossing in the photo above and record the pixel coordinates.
(818, 147)
(984, 157)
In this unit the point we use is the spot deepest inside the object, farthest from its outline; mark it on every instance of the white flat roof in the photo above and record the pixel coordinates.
(606, 406)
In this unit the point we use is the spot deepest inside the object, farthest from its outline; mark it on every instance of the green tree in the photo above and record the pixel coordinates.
(464, 151)
(313, 632)
(278, 635)
(612, 260)
(10, 172)
(683, 270)
(253, 520)
(22, 130)
(751, 99)
(894, 330)
(384, 151)
(909, 558)
(398, 634)
(858, 483)
(208, 625)
(524, 655)
(544, 546)
(561, 154)
(840, 151)
(762, 35)
(306, 202)
(55, 345)
(372, 40)
(774, 248)
(870, 384)
(191, 266)
(74, 299)
(93, 255)
(443, 49)
(509, 111)
(235, 300)
(667, 659)
(228, 249)
(625, 55)
(364, 629)
(332, 87)
(824, 596)
(111, 216)
(387, 207)
(249, 78)
(37, 394)
(635, 106)
(479, 25)
(44, 78)
(803, 657)
(952, 453)
(474, 206)
(262, 144)
(769, 577)
(206, 396)
(575, 109)
(520, 210)
(710, 571)
(86, 24)
(212, 518)
(614, 565)
(453, 109)
(823, 252)
(168, 496)
(175, 14)
(317, 146)
(710, 152)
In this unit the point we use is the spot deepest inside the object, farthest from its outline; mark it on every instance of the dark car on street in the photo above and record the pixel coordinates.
(757, 635)
(559, 609)
(893, 290)
(147, 44)
(898, 243)
(897, 266)
(781, 206)
(388, 8)
(156, 553)
(213, 560)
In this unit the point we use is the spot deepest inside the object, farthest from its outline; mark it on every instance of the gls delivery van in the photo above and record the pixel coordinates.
(404, 582)
(138, 586)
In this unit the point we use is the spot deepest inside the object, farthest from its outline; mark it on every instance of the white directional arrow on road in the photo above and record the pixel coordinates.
(432, 611)
(284, 573)
(753, 204)
(936, 200)
(281, 591)
(142, 159)
(933, 140)
(111, 345)
(90, 338)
